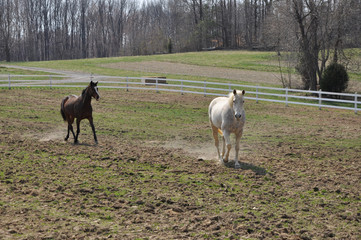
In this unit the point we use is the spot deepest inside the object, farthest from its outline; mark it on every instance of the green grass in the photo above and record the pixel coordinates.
(15, 71)
(247, 60)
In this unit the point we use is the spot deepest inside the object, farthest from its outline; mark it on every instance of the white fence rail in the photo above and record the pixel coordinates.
(320, 99)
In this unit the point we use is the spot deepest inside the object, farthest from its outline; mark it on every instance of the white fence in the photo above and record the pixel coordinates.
(287, 96)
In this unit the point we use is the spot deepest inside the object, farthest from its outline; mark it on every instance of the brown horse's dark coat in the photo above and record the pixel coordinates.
(80, 108)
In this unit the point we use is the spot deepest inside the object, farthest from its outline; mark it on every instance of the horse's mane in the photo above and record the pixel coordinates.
(83, 92)
(230, 97)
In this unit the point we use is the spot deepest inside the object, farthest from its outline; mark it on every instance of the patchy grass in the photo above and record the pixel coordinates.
(299, 176)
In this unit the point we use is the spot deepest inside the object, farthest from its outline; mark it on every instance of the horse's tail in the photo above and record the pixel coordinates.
(62, 111)
(220, 132)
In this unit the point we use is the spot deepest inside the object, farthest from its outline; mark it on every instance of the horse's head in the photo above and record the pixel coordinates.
(93, 90)
(237, 98)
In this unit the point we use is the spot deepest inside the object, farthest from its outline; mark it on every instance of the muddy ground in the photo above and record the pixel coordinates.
(300, 175)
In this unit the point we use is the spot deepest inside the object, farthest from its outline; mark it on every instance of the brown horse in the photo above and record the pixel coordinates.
(80, 108)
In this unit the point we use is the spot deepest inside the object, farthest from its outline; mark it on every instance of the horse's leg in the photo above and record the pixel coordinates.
(70, 121)
(67, 135)
(93, 128)
(216, 141)
(238, 138)
(71, 129)
(224, 146)
(227, 139)
(77, 130)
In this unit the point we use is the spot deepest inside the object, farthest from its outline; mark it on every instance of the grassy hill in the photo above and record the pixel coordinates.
(238, 60)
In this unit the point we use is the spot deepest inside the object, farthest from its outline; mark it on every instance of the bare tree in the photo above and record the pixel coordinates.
(67, 29)
(321, 27)
(306, 16)
(6, 27)
(83, 25)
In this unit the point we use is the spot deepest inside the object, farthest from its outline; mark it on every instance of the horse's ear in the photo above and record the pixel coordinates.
(243, 92)
(234, 91)
(98, 81)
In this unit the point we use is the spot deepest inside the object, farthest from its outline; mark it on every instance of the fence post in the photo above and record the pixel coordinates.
(204, 88)
(319, 99)
(355, 102)
(286, 96)
(257, 94)
(9, 81)
(127, 84)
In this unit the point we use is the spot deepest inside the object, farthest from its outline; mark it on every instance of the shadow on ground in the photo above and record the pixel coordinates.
(247, 166)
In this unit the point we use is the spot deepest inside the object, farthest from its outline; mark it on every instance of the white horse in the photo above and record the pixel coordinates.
(227, 115)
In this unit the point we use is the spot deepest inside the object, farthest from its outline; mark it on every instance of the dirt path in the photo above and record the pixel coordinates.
(70, 75)
(49, 70)
(255, 77)
(156, 67)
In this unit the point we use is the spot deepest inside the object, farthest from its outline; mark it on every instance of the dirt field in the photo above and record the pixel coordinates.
(193, 70)
(254, 77)
(300, 175)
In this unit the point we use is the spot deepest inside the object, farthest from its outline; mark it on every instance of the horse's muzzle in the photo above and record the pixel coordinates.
(238, 116)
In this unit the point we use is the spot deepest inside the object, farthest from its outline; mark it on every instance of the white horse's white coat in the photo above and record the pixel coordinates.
(227, 115)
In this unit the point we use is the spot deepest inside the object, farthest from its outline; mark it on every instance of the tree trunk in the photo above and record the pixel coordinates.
(84, 4)
(308, 62)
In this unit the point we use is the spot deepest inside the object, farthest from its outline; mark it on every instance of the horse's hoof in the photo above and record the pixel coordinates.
(96, 142)
(237, 166)
(65, 139)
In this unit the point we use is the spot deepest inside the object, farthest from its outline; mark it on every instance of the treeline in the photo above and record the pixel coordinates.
(67, 29)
